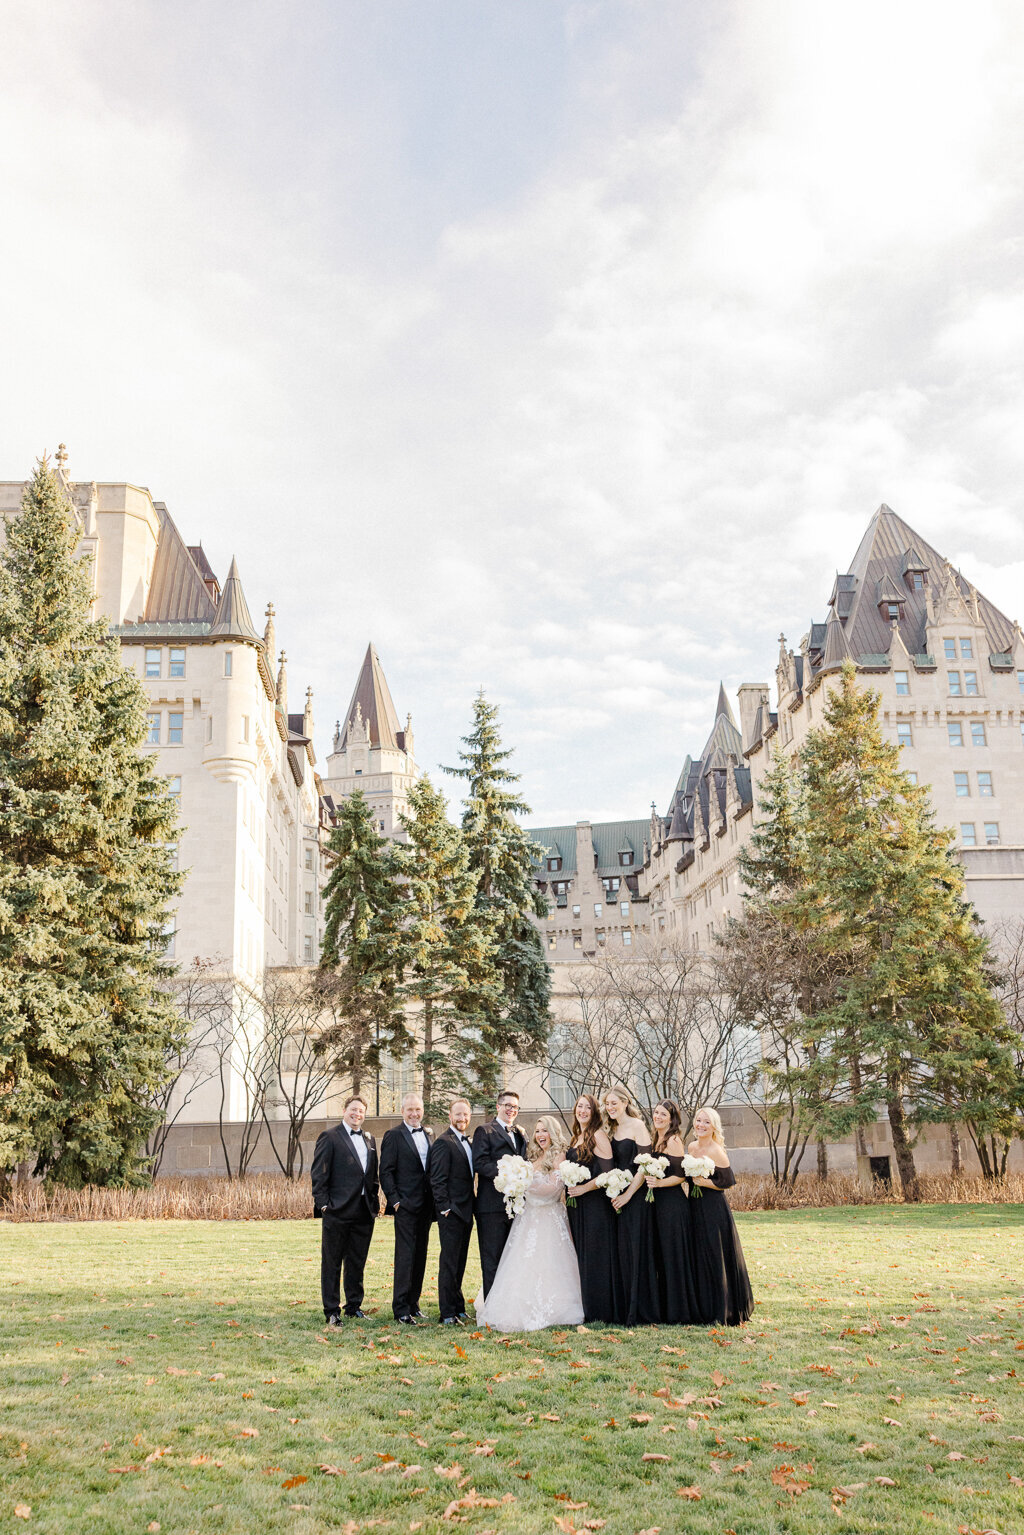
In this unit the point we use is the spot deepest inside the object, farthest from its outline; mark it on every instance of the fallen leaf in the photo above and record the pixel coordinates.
(172, 1370)
(862, 1449)
(550, 1417)
(649, 1455)
(22, 1510)
(451, 1472)
(640, 1417)
(249, 1433)
(885, 1481)
(563, 1497)
(786, 1478)
(294, 1481)
(718, 1380)
(153, 1527)
(955, 1455)
(333, 1470)
(692, 1494)
(893, 1422)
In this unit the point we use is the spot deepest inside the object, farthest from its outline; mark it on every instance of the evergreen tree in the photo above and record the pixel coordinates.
(914, 1021)
(516, 1018)
(364, 901)
(86, 1025)
(449, 951)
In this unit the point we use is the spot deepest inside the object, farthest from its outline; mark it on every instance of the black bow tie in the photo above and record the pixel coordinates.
(464, 1138)
(417, 1130)
(354, 1133)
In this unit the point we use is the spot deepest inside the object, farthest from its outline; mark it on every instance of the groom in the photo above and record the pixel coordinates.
(490, 1143)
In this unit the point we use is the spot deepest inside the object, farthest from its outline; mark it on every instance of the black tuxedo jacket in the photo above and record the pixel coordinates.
(490, 1144)
(450, 1177)
(339, 1184)
(402, 1175)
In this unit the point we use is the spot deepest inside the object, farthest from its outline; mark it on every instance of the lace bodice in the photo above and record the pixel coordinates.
(544, 1189)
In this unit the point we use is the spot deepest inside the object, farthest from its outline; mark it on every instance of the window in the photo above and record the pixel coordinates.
(172, 853)
(309, 858)
(902, 683)
(600, 938)
(953, 678)
(152, 729)
(554, 864)
(892, 610)
(169, 936)
(552, 941)
(624, 908)
(985, 788)
(967, 650)
(177, 663)
(153, 662)
(971, 684)
(307, 949)
(903, 733)
(949, 649)
(978, 733)
(991, 833)
(577, 940)
(307, 905)
(956, 733)
(917, 581)
(627, 937)
(611, 885)
(228, 658)
(575, 911)
(961, 785)
(967, 836)
(175, 728)
(626, 859)
(598, 909)
(912, 778)
(1020, 681)
(174, 787)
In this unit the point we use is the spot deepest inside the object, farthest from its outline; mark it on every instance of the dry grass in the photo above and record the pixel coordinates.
(275, 1199)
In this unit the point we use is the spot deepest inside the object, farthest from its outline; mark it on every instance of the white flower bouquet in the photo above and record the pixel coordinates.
(572, 1175)
(651, 1167)
(512, 1180)
(698, 1167)
(614, 1182)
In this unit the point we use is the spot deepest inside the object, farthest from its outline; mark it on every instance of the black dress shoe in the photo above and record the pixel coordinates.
(463, 1317)
(407, 1321)
(334, 1320)
(451, 1321)
(357, 1313)
(419, 1315)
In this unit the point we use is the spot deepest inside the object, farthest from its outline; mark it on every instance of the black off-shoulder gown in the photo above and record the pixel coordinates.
(723, 1288)
(592, 1223)
(637, 1302)
(673, 1246)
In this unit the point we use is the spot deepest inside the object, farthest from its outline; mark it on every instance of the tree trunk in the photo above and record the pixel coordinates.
(901, 1146)
(956, 1154)
(855, 1084)
(822, 1160)
(428, 1045)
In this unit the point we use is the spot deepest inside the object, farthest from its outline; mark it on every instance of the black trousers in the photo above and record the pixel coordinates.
(491, 1235)
(343, 1242)
(412, 1234)
(455, 1234)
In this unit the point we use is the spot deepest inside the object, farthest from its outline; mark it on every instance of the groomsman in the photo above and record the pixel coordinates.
(491, 1142)
(403, 1177)
(346, 1195)
(450, 1169)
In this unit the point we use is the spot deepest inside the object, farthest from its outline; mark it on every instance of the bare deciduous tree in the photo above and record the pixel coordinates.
(302, 1041)
(199, 996)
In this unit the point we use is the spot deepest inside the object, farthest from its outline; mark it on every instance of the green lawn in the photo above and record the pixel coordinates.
(175, 1375)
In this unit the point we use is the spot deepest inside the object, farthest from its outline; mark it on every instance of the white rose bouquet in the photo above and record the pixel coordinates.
(698, 1167)
(572, 1175)
(651, 1167)
(512, 1180)
(614, 1182)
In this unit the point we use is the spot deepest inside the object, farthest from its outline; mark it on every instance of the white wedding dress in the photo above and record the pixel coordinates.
(538, 1279)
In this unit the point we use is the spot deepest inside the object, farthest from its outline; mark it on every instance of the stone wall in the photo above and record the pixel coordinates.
(195, 1149)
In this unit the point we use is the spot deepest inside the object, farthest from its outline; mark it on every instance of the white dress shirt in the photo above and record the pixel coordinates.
(420, 1141)
(359, 1146)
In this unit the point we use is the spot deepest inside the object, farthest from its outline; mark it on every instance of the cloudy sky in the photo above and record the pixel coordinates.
(562, 347)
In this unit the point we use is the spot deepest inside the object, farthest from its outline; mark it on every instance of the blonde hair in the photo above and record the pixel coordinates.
(548, 1160)
(632, 1112)
(716, 1123)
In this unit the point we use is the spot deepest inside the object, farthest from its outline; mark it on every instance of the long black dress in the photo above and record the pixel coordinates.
(673, 1245)
(723, 1288)
(592, 1223)
(637, 1302)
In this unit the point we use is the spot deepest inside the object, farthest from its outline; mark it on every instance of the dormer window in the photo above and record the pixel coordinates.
(625, 860)
(892, 612)
(554, 864)
(890, 599)
(915, 570)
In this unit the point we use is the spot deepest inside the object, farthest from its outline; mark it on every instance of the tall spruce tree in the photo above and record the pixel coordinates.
(516, 1020)
(86, 876)
(364, 909)
(914, 1021)
(449, 950)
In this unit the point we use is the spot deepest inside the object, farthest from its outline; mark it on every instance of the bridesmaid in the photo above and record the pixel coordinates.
(637, 1301)
(673, 1240)
(592, 1219)
(722, 1283)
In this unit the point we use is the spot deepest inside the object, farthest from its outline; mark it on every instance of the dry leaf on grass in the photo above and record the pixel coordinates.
(649, 1455)
(22, 1511)
(886, 1481)
(692, 1494)
(786, 1478)
(893, 1422)
(294, 1481)
(563, 1497)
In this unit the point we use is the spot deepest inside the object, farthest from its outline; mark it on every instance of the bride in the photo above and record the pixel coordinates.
(538, 1279)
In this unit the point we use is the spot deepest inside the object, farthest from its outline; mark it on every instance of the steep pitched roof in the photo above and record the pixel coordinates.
(232, 619)
(609, 838)
(373, 696)
(880, 564)
(177, 590)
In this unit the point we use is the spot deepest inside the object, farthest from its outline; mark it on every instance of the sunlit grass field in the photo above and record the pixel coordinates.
(176, 1376)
